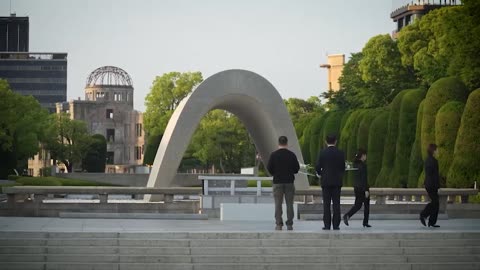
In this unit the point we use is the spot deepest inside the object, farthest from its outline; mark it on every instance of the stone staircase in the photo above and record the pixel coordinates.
(252, 251)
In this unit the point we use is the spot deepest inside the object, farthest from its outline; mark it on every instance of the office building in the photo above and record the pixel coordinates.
(14, 34)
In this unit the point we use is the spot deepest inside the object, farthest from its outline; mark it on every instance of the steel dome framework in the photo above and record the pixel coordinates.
(109, 75)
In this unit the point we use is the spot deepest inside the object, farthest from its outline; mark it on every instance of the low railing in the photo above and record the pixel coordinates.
(381, 194)
(41, 192)
(206, 179)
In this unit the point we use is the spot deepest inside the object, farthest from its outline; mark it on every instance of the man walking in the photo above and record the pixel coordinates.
(283, 165)
(331, 167)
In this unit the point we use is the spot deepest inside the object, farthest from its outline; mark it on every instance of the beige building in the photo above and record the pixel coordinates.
(108, 110)
(335, 63)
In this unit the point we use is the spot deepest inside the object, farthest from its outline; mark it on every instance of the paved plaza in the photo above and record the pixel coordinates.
(11, 224)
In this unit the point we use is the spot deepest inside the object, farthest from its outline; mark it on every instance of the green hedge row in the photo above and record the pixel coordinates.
(465, 168)
(416, 163)
(388, 160)
(406, 136)
(447, 123)
(376, 143)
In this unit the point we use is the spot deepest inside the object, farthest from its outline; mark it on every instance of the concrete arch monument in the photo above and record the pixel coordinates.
(250, 97)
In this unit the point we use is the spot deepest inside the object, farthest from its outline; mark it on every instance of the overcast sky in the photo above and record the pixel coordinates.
(284, 41)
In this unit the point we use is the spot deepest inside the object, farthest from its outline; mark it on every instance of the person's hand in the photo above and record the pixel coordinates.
(367, 194)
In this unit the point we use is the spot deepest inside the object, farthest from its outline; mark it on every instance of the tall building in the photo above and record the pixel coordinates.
(42, 75)
(414, 10)
(108, 110)
(14, 34)
(335, 63)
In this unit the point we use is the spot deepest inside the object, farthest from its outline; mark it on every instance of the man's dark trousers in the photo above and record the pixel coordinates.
(331, 195)
(432, 208)
(279, 192)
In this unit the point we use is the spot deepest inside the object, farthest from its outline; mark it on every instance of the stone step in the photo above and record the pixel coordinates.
(299, 259)
(66, 243)
(252, 266)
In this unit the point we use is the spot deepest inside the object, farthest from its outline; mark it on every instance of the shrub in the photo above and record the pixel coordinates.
(342, 144)
(364, 128)
(315, 132)
(406, 136)
(388, 160)
(96, 155)
(13, 177)
(465, 168)
(331, 126)
(376, 143)
(447, 123)
(306, 144)
(441, 91)
(39, 181)
(349, 139)
(415, 166)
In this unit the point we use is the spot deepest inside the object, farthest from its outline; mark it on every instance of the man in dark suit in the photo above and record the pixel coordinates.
(331, 167)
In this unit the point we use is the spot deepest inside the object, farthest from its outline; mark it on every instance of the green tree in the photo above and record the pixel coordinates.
(303, 111)
(444, 43)
(376, 144)
(406, 136)
(415, 166)
(223, 141)
(22, 121)
(96, 155)
(388, 160)
(165, 95)
(447, 123)
(464, 169)
(382, 70)
(351, 84)
(151, 148)
(68, 140)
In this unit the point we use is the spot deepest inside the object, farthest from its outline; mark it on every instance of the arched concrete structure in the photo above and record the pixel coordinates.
(250, 97)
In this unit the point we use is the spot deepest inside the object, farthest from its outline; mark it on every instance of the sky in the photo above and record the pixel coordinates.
(283, 41)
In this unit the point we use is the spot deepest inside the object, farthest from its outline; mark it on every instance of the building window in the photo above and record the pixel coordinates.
(110, 135)
(30, 172)
(138, 130)
(138, 152)
(109, 113)
(110, 158)
(127, 153)
(117, 96)
(100, 94)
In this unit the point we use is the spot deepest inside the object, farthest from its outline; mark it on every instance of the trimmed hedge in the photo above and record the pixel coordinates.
(305, 146)
(415, 166)
(315, 132)
(342, 144)
(331, 126)
(363, 131)
(465, 168)
(348, 142)
(376, 143)
(388, 160)
(441, 91)
(56, 181)
(406, 136)
(447, 124)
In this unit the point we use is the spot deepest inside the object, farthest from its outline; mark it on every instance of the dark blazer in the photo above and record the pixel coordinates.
(331, 166)
(432, 177)
(361, 179)
(283, 165)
